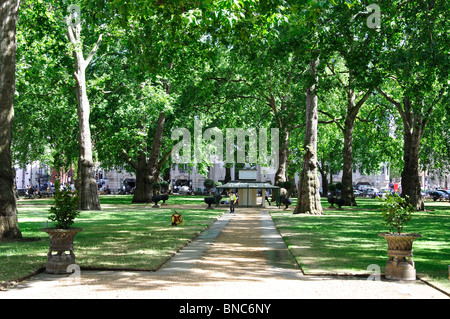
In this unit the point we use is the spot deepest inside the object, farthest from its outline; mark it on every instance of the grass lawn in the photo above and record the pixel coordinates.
(137, 236)
(346, 241)
(121, 236)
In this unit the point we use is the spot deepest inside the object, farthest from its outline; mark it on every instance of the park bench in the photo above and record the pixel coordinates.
(30, 196)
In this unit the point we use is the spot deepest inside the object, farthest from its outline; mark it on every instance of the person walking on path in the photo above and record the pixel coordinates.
(232, 202)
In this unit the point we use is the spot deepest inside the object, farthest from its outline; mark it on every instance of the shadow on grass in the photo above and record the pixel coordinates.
(346, 240)
(119, 236)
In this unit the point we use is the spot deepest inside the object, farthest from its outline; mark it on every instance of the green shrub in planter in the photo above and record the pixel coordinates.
(65, 206)
(156, 188)
(164, 186)
(156, 185)
(396, 212)
(208, 183)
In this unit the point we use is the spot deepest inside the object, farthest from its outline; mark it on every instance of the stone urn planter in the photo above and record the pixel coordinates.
(218, 198)
(210, 201)
(60, 254)
(156, 199)
(164, 197)
(63, 213)
(286, 201)
(400, 265)
(397, 212)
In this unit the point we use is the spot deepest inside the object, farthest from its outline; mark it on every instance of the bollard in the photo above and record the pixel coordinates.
(448, 272)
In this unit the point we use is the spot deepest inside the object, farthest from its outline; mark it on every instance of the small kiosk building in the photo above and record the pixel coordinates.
(247, 187)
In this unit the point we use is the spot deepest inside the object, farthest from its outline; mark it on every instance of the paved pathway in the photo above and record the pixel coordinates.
(241, 256)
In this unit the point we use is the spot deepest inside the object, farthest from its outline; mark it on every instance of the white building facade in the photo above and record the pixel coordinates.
(40, 175)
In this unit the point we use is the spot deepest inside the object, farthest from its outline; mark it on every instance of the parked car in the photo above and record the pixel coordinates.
(435, 195)
(446, 192)
(370, 192)
(184, 190)
(357, 193)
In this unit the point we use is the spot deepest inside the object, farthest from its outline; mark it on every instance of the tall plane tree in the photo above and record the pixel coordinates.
(142, 65)
(9, 227)
(353, 45)
(87, 186)
(266, 73)
(417, 63)
(45, 120)
(309, 191)
(174, 22)
(304, 22)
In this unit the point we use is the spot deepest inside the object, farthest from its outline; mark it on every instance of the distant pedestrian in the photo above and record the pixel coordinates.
(232, 202)
(30, 192)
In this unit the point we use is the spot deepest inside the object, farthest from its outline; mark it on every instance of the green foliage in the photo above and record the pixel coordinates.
(396, 212)
(45, 120)
(64, 210)
(336, 186)
(208, 183)
(287, 185)
(156, 186)
(232, 64)
(164, 185)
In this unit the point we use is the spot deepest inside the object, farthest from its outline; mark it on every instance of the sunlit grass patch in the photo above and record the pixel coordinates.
(120, 236)
(346, 241)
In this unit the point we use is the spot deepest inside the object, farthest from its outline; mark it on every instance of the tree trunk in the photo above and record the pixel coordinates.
(308, 201)
(324, 174)
(9, 227)
(293, 190)
(143, 192)
(331, 177)
(227, 174)
(147, 171)
(410, 173)
(347, 167)
(16, 191)
(88, 191)
(280, 175)
(413, 127)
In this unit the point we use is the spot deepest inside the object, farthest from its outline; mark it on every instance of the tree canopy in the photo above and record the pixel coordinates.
(348, 84)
